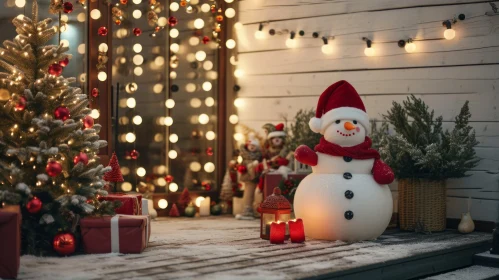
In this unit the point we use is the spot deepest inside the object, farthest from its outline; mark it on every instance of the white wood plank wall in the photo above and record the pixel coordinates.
(279, 81)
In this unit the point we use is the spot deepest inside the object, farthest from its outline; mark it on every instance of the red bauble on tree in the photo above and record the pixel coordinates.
(64, 62)
(242, 169)
(34, 205)
(172, 21)
(55, 69)
(174, 211)
(88, 121)
(102, 31)
(206, 39)
(137, 31)
(64, 243)
(21, 103)
(169, 178)
(61, 113)
(81, 157)
(134, 154)
(53, 168)
(94, 92)
(68, 7)
(220, 18)
(209, 151)
(124, 2)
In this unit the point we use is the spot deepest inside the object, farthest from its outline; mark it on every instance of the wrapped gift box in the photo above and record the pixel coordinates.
(272, 180)
(125, 234)
(131, 203)
(10, 241)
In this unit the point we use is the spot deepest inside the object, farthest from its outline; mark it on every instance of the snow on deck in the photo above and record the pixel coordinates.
(224, 248)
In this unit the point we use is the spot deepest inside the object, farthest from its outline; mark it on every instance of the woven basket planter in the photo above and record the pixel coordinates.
(422, 205)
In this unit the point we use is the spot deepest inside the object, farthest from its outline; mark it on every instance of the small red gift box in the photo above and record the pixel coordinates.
(125, 234)
(10, 241)
(131, 203)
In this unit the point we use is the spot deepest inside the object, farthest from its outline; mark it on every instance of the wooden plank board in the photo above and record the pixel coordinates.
(267, 10)
(418, 23)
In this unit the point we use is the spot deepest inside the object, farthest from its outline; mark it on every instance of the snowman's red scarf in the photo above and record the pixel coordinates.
(361, 151)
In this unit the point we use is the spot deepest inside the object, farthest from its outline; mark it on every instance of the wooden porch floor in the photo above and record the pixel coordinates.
(224, 248)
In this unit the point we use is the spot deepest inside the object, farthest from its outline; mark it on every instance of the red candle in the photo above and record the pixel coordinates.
(296, 231)
(277, 232)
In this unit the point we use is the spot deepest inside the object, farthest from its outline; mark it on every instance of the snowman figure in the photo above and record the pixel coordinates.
(346, 197)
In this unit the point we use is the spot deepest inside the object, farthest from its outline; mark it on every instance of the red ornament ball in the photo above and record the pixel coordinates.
(137, 31)
(53, 168)
(64, 243)
(64, 62)
(55, 69)
(34, 205)
(124, 2)
(172, 21)
(61, 113)
(117, 22)
(209, 151)
(207, 187)
(68, 7)
(102, 31)
(169, 178)
(81, 157)
(94, 92)
(242, 169)
(88, 121)
(134, 154)
(206, 39)
(220, 18)
(21, 103)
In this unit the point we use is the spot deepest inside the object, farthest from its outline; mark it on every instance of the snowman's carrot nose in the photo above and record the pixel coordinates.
(349, 126)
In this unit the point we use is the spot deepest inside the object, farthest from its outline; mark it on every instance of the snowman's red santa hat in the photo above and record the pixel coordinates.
(339, 101)
(277, 132)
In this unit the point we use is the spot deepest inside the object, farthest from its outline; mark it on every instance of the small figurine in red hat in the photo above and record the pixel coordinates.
(247, 175)
(346, 197)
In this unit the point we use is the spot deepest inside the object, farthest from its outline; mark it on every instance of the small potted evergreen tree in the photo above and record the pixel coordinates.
(423, 155)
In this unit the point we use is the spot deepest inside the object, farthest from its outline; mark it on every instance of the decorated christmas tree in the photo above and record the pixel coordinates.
(114, 176)
(174, 211)
(48, 142)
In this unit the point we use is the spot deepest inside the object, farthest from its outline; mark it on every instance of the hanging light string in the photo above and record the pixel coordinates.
(408, 44)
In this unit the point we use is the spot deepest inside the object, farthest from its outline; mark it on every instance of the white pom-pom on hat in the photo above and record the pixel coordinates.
(315, 124)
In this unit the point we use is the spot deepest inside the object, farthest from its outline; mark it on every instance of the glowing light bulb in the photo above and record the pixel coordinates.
(190, 87)
(103, 47)
(138, 59)
(126, 186)
(238, 26)
(81, 17)
(137, 14)
(327, 49)
(137, 2)
(194, 41)
(131, 103)
(95, 14)
(173, 187)
(169, 103)
(230, 44)
(174, 6)
(173, 75)
(369, 51)
(209, 167)
(102, 76)
(205, 8)
(233, 119)
(449, 34)
(137, 120)
(198, 23)
(82, 48)
(230, 13)
(168, 121)
(173, 138)
(157, 88)
(162, 203)
(200, 55)
(137, 48)
(198, 201)
(238, 102)
(20, 3)
(207, 86)
(203, 119)
(209, 101)
(260, 35)
(238, 136)
(172, 154)
(410, 47)
(210, 135)
(207, 65)
(130, 137)
(95, 114)
(162, 21)
(195, 166)
(141, 172)
(174, 33)
(174, 47)
(291, 43)
(65, 43)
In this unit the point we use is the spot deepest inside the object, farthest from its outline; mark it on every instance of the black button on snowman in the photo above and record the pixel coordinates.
(343, 163)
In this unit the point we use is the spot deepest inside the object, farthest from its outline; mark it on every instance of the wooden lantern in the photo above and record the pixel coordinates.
(275, 208)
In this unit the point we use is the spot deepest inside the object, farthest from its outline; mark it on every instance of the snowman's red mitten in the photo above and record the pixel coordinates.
(259, 168)
(306, 155)
(382, 173)
(242, 169)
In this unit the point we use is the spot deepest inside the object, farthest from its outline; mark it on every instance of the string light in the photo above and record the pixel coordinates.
(200, 55)
(238, 73)
(203, 119)
(449, 33)
(174, 6)
(230, 13)
(95, 14)
(174, 47)
(233, 119)
(172, 154)
(102, 76)
(173, 138)
(137, 48)
(130, 137)
(173, 187)
(205, 8)
(230, 44)
(170, 103)
(259, 34)
(209, 101)
(168, 121)
(162, 203)
(199, 23)
(368, 51)
(291, 42)
(327, 48)
(137, 120)
(410, 46)
(238, 102)
(174, 33)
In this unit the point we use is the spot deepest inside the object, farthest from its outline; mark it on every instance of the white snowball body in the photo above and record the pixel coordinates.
(321, 201)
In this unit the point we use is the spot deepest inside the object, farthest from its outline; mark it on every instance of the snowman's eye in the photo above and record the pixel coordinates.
(354, 122)
(338, 121)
